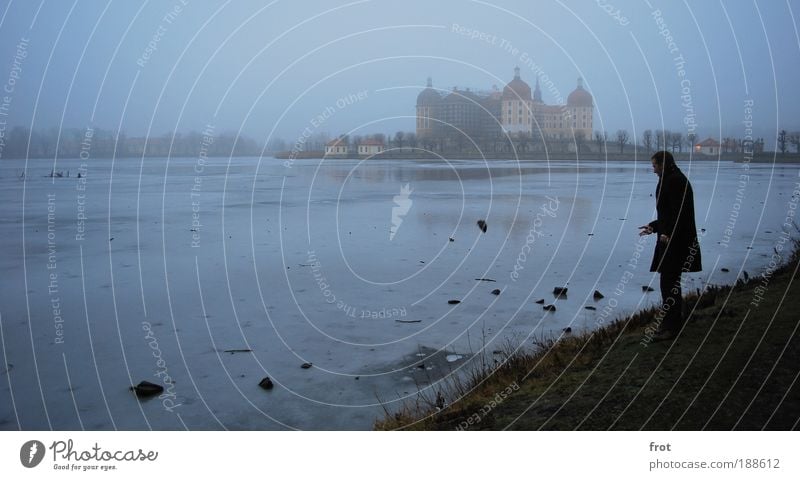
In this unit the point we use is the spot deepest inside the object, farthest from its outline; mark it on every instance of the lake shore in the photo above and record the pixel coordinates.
(640, 155)
(416, 154)
(733, 367)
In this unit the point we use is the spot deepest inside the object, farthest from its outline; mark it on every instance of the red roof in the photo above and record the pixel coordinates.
(580, 97)
(708, 142)
(517, 89)
(337, 142)
(371, 141)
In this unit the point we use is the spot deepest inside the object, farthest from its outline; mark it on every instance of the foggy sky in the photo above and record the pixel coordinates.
(270, 68)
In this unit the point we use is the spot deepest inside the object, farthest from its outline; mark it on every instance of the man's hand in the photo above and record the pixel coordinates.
(645, 230)
(663, 238)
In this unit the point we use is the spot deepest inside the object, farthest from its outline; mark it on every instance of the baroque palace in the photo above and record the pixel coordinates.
(458, 118)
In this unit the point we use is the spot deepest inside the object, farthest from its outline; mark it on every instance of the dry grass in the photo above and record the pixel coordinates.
(561, 361)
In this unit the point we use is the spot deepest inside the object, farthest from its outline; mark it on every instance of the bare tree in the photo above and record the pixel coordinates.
(411, 139)
(794, 139)
(663, 139)
(782, 140)
(691, 139)
(676, 141)
(580, 141)
(622, 139)
(730, 145)
(398, 139)
(600, 138)
(647, 140)
(379, 137)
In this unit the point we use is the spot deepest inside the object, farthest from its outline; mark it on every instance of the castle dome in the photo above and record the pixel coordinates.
(428, 96)
(517, 89)
(579, 97)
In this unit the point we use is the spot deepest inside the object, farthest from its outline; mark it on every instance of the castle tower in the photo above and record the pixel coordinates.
(580, 106)
(427, 103)
(516, 110)
(537, 92)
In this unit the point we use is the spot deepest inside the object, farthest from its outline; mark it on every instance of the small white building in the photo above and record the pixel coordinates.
(337, 147)
(709, 146)
(370, 146)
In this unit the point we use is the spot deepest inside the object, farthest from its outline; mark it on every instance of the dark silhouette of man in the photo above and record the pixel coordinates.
(677, 249)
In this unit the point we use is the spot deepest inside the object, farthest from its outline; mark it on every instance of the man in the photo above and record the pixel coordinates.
(677, 249)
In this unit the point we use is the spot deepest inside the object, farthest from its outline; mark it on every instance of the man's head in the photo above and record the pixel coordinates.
(662, 161)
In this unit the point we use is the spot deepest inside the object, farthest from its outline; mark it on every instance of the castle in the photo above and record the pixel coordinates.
(465, 116)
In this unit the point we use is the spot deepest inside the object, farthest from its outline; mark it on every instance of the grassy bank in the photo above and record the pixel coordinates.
(734, 366)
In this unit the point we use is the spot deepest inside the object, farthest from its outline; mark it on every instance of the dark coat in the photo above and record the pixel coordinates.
(675, 208)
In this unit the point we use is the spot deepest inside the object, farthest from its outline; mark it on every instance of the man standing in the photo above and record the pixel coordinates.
(677, 249)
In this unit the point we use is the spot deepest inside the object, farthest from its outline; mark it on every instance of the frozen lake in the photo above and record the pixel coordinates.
(139, 271)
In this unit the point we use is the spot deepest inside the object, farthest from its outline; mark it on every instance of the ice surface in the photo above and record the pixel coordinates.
(315, 263)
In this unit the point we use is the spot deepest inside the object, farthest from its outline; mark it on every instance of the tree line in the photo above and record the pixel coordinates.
(674, 141)
(785, 139)
(21, 142)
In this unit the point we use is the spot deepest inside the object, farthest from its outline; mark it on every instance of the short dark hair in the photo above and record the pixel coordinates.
(663, 157)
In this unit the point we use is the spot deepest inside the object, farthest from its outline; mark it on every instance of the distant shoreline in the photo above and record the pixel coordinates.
(768, 157)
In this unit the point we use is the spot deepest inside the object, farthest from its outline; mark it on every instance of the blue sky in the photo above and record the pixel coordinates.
(269, 68)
